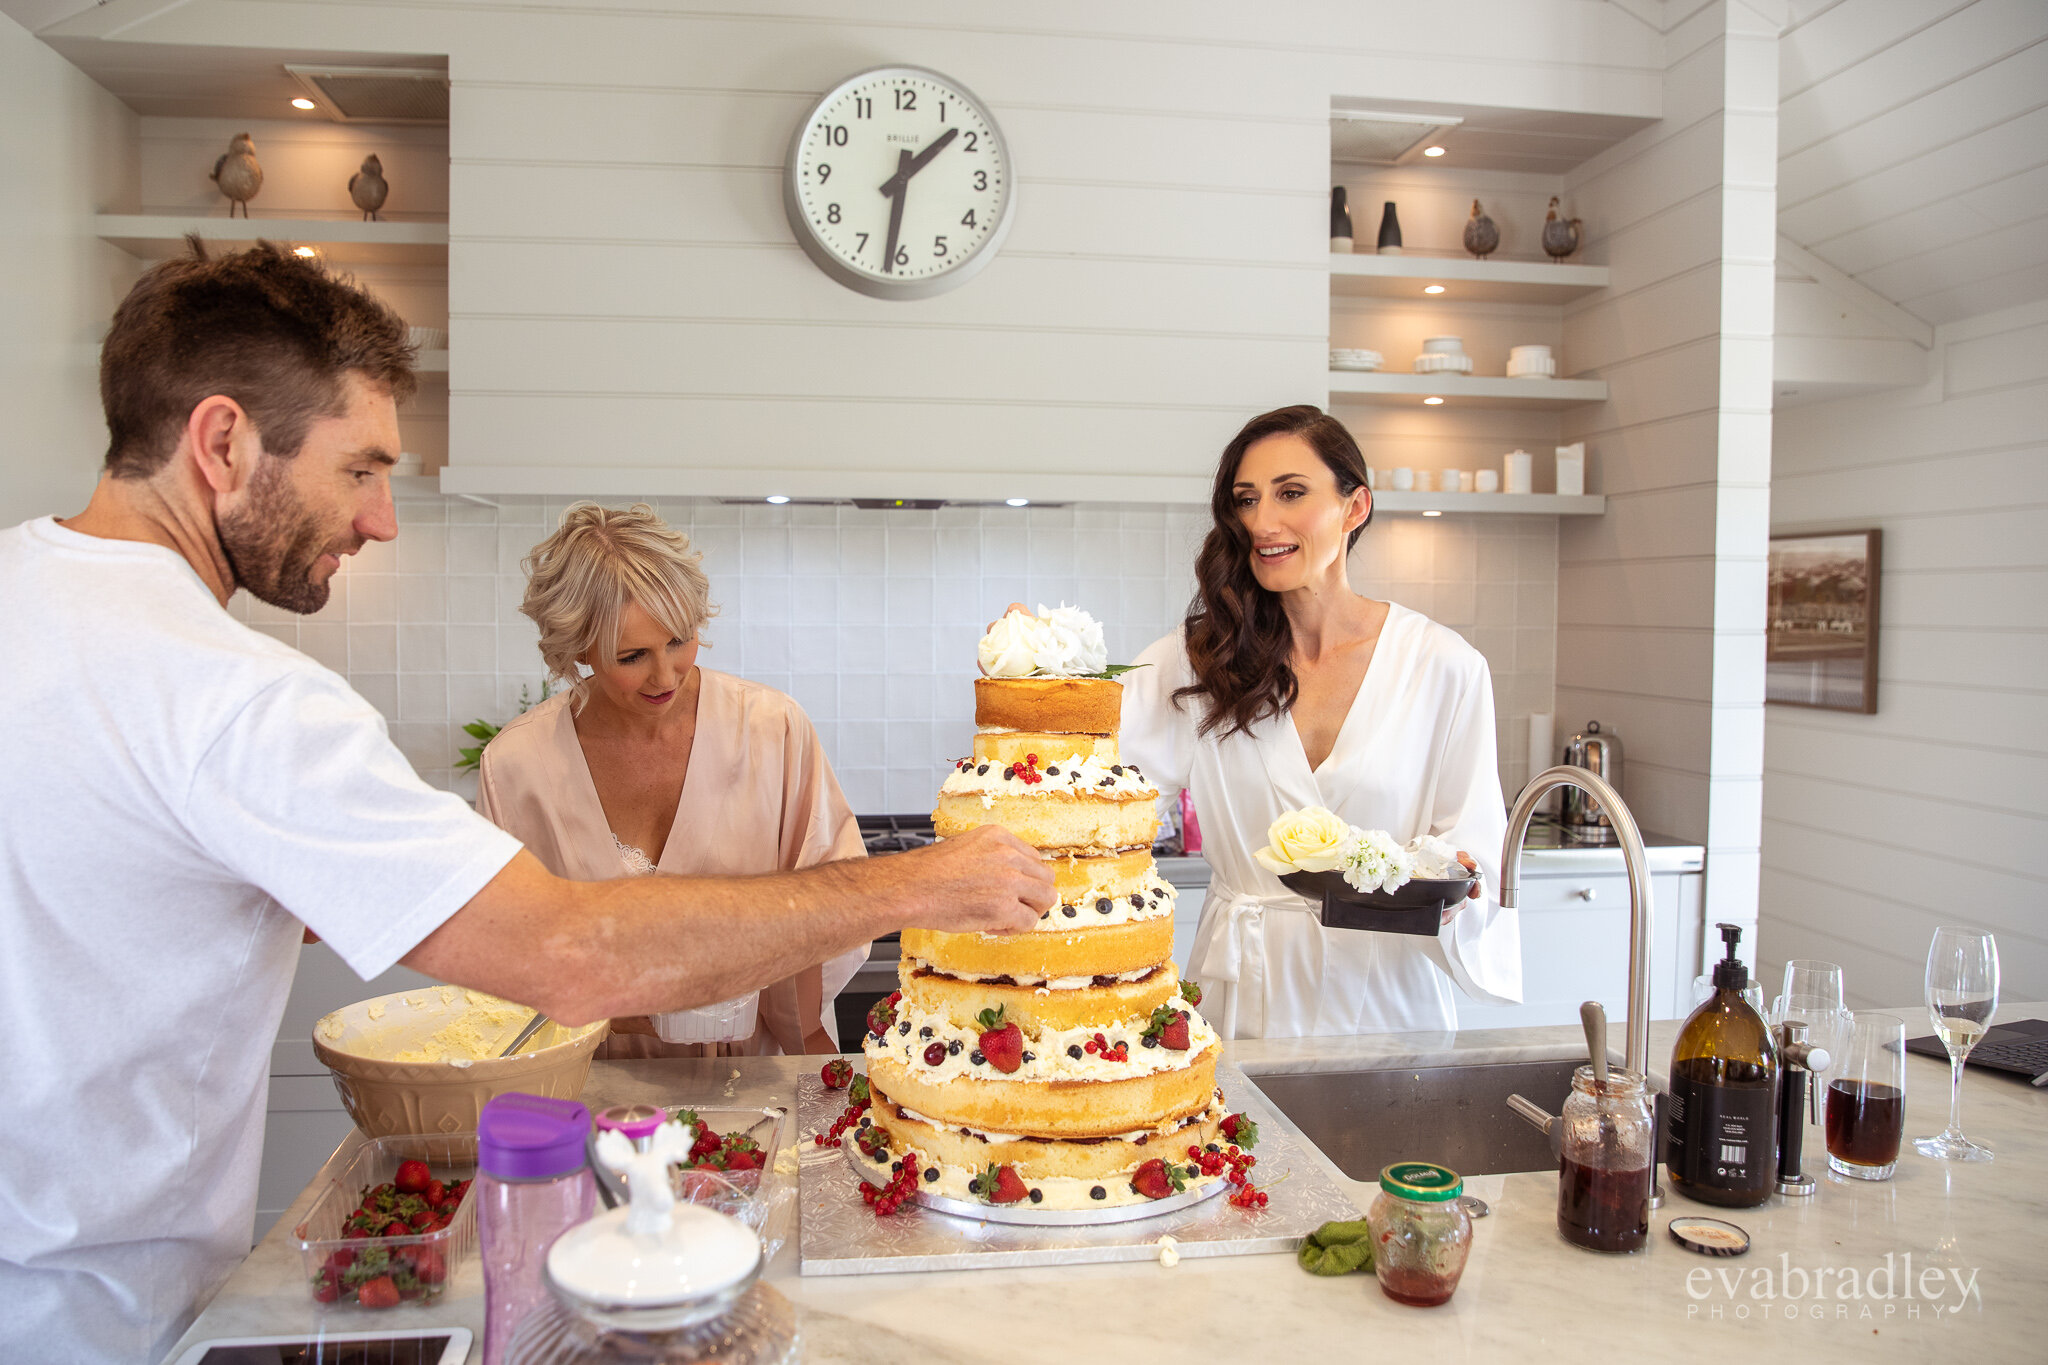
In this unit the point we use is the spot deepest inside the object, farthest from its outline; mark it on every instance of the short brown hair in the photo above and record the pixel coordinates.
(273, 331)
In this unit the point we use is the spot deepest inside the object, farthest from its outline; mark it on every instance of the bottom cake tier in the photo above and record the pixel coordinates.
(1054, 1173)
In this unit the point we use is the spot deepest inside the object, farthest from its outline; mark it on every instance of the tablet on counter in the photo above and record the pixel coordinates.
(425, 1346)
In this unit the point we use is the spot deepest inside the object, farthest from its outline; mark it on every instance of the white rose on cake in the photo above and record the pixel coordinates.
(1077, 640)
(1309, 840)
(1014, 645)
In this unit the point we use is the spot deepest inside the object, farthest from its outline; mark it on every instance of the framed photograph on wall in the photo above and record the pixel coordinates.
(1821, 642)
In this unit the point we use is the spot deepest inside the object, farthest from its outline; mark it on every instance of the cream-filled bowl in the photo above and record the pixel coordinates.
(426, 1060)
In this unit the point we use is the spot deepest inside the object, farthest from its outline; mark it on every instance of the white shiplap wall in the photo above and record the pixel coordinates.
(1913, 144)
(69, 153)
(1660, 602)
(1878, 829)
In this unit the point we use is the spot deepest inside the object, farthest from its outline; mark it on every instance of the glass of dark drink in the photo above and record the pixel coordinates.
(1865, 1114)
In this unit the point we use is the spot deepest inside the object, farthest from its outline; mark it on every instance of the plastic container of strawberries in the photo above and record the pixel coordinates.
(420, 1265)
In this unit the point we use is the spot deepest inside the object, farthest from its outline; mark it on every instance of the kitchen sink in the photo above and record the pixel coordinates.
(1455, 1116)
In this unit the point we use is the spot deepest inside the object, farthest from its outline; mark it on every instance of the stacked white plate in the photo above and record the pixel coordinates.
(1443, 355)
(1351, 358)
(1531, 362)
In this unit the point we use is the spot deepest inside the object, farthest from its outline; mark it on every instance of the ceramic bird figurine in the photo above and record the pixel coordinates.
(237, 173)
(1482, 238)
(1560, 235)
(369, 188)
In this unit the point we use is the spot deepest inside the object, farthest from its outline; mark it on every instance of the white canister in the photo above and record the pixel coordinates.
(725, 1022)
(1466, 482)
(1518, 472)
(1372, 478)
(1486, 481)
(1404, 480)
(1571, 469)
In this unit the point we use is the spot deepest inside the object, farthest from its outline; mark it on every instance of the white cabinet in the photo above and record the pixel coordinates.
(1575, 947)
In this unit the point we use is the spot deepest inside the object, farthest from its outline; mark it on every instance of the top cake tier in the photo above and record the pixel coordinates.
(1070, 706)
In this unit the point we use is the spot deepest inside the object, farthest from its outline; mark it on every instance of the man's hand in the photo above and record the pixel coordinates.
(984, 881)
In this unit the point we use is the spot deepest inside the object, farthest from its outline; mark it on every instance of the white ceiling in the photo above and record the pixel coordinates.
(1913, 148)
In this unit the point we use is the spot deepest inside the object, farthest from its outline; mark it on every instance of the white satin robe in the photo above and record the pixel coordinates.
(759, 796)
(1415, 755)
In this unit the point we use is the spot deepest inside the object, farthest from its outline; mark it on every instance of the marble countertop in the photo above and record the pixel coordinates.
(1525, 1292)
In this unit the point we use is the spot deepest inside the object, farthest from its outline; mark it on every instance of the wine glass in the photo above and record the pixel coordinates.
(1962, 994)
(1812, 996)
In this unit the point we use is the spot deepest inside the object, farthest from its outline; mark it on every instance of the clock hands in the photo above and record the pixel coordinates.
(895, 183)
(897, 188)
(901, 182)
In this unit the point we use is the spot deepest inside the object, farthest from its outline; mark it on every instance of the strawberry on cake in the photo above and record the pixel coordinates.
(1068, 1066)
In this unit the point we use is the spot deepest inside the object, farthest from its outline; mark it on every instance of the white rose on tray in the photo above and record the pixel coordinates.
(1308, 840)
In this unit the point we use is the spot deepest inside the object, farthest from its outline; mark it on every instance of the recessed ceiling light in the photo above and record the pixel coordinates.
(1432, 289)
(1432, 151)
(308, 252)
(1432, 401)
(1017, 502)
(777, 498)
(303, 103)
(1433, 512)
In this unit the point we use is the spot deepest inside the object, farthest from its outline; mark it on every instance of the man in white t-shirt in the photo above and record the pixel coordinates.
(183, 794)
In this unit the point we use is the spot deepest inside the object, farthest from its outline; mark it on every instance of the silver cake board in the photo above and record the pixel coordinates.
(841, 1235)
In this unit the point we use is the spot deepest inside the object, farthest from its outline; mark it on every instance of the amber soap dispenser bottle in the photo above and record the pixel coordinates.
(1722, 1117)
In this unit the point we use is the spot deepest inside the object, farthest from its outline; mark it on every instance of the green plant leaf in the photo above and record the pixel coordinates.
(1114, 670)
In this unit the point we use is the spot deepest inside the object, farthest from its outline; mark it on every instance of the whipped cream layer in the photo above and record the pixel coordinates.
(1095, 910)
(1049, 1059)
(911, 966)
(1089, 777)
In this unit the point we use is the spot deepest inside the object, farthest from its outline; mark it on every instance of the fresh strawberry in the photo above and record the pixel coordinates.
(381, 1292)
(999, 1185)
(1239, 1128)
(1169, 1028)
(436, 1192)
(882, 1013)
(838, 1073)
(708, 1141)
(325, 1290)
(1001, 1044)
(394, 1228)
(413, 1177)
(1158, 1178)
(744, 1161)
(858, 1093)
(428, 1264)
(1191, 991)
(422, 1220)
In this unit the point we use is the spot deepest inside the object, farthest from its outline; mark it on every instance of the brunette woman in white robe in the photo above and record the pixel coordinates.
(652, 763)
(1285, 689)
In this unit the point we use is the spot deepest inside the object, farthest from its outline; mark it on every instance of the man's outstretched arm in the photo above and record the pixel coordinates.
(646, 945)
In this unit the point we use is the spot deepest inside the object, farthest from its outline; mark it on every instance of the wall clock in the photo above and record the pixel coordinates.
(898, 183)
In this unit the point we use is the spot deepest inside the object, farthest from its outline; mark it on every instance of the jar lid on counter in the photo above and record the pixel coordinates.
(1421, 1182)
(531, 1137)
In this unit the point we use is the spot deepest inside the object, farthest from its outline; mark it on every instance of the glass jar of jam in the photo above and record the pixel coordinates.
(1420, 1233)
(1603, 1183)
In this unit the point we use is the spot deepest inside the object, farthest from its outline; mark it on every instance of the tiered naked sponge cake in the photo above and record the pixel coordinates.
(1070, 1054)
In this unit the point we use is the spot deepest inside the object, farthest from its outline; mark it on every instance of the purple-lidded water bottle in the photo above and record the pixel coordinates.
(533, 1184)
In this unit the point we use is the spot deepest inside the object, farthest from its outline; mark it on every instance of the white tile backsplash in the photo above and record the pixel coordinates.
(869, 618)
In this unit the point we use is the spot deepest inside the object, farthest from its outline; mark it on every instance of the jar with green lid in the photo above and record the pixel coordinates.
(1420, 1233)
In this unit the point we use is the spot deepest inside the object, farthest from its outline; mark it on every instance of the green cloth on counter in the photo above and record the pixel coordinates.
(1337, 1249)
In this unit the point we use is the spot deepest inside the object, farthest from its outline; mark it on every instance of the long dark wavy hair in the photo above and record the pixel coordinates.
(1238, 639)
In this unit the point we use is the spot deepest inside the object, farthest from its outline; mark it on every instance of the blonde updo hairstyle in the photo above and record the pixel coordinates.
(579, 580)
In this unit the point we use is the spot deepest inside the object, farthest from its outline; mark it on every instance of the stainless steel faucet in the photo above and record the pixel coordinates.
(1637, 1056)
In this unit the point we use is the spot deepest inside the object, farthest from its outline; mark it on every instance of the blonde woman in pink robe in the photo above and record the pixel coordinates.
(650, 763)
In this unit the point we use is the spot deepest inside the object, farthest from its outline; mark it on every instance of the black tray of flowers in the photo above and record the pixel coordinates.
(1415, 907)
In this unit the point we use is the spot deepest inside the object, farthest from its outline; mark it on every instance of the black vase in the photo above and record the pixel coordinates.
(1340, 218)
(1390, 231)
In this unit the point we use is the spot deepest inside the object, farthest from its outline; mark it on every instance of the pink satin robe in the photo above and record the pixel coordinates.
(759, 796)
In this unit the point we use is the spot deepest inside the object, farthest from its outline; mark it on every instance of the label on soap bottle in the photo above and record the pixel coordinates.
(1722, 1137)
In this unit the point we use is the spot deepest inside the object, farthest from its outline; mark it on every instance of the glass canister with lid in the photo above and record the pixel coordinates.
(1420, 1233)
(1609, 1142)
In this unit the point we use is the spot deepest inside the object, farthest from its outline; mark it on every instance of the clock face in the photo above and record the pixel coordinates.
(898, 183)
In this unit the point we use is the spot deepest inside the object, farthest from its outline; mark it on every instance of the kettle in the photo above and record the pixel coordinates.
(1578, 812)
